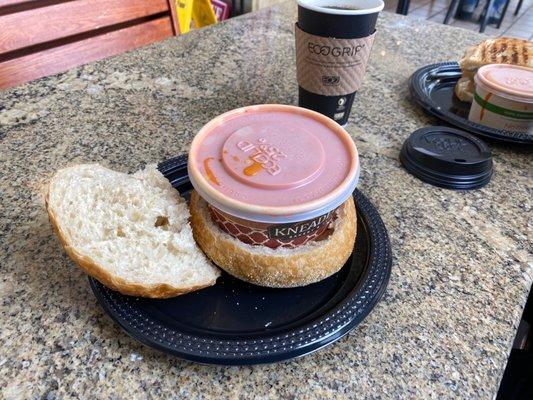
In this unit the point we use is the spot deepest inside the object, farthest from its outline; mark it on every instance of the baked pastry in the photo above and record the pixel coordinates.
(281, 267)
(130, 232)
(501, 50)
(464, 89)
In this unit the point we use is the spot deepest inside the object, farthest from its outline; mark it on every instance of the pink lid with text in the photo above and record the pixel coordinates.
(508, 79)
(274, 159)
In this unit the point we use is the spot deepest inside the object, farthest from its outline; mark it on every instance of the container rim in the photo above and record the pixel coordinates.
(365, 6)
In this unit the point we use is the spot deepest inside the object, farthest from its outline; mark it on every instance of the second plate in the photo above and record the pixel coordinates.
(432, 87)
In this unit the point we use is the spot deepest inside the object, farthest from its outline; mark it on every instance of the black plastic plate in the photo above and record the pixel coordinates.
(432, 87)
(237, 323)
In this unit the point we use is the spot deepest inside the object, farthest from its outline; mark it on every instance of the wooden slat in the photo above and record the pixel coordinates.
(62, 58)
(4, 3)
(44, 24)
(174, 16)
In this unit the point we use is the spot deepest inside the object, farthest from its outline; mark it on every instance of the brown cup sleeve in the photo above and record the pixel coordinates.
(331, 66)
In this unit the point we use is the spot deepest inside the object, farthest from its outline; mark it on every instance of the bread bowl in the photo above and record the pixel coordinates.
(281, 267)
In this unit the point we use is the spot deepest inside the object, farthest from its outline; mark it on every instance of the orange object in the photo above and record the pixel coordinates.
(253, 169)
(210, 175)
(482, 112)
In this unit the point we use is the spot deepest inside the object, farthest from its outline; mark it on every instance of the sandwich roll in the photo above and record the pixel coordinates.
(503, 50)
(281, 267)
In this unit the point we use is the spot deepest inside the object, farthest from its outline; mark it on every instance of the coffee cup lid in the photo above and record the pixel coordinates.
(448, 158)
(344, 7)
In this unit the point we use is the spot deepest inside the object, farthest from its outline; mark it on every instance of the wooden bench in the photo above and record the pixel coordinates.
(44, 37)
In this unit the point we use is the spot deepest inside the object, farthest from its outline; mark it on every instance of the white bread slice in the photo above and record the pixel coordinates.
(279, 267)
(131, 232)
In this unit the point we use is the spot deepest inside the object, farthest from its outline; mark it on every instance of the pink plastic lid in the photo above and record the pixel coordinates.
(273, 160)
(508, 79)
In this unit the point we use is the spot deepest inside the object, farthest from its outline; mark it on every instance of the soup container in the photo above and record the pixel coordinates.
(274, 175)
(503, 98)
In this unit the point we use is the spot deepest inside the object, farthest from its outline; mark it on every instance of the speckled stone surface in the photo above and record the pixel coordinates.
(461, 269)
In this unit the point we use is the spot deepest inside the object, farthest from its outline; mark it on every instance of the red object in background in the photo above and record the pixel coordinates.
(222, 9)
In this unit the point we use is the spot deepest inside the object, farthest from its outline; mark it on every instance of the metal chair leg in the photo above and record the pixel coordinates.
(403, 7)
(485, 19)
(503, 13)
(452, 9)
(518, 7)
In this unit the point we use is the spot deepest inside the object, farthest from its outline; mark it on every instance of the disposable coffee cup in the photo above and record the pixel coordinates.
(333, 43)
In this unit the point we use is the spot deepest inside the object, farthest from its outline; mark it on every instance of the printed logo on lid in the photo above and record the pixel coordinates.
(447, 144)
(263, 154)
(276, 156)
(519, 82)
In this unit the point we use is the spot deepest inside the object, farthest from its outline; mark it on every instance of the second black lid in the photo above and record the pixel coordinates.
(447, 157)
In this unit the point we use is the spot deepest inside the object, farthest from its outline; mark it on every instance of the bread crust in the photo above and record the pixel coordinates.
(502, 50)
(294, 269)
(156, 291)
(464, 89)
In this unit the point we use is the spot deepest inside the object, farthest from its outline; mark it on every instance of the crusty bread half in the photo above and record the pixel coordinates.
(281, 268)
(501, 50)
(131, 232)
(464, 89)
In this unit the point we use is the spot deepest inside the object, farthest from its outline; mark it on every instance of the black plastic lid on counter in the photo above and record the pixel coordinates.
(448, 158)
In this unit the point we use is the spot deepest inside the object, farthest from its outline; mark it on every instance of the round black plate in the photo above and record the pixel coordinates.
(432, 88)
(237, 323)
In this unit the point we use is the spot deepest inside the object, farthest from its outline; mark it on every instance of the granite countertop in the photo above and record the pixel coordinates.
(461, 268)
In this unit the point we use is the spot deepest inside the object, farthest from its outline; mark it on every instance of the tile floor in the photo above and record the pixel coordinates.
(520, 26)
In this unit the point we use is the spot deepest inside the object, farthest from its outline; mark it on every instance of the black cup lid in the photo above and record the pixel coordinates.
(448, 158)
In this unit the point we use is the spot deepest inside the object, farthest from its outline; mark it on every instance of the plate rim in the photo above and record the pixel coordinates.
(417, 91)
(379, 258)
